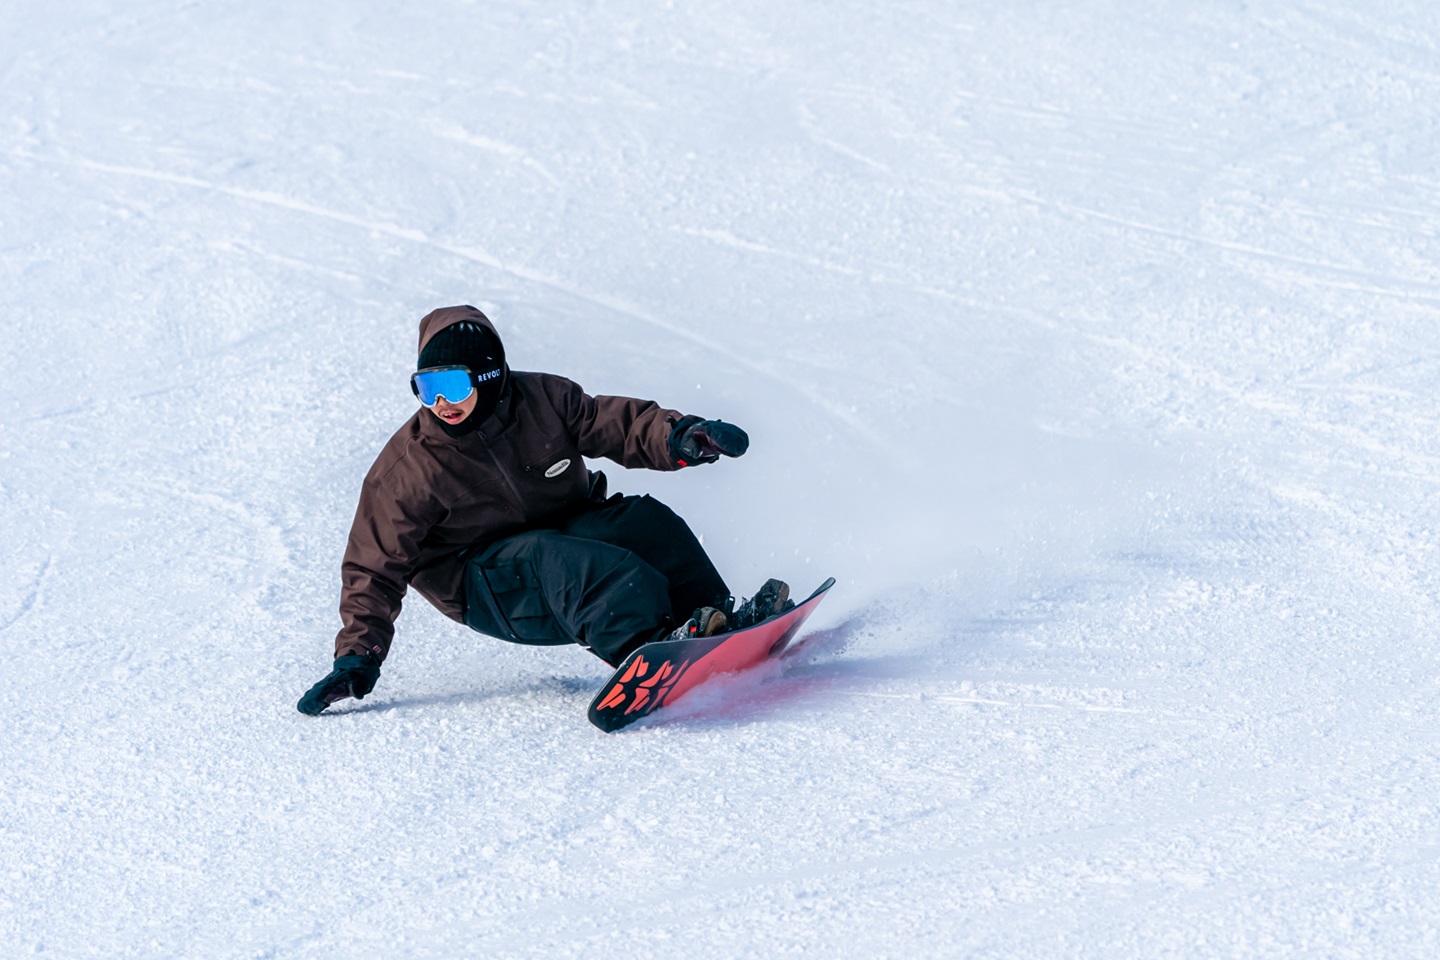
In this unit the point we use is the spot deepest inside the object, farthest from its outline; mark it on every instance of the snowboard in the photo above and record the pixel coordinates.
(662, 672)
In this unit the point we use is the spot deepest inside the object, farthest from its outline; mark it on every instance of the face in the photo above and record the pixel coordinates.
(453, 413)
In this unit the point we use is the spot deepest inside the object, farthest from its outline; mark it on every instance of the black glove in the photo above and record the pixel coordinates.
(353, 676)
(693, 440)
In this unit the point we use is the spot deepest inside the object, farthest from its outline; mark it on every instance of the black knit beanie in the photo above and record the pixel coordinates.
(465, 344)
(468, 344)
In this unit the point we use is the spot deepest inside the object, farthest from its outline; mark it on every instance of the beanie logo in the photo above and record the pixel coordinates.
(557, 468)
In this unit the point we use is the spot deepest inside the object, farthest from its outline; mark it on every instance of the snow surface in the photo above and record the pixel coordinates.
(1092, 346)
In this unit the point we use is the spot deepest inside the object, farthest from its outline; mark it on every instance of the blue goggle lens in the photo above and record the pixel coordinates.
(452, 383)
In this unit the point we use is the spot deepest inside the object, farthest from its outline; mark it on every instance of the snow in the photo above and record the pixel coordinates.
(1091, 346)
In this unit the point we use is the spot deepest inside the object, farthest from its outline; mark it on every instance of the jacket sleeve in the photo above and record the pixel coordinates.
(380, 558)
(633, 433)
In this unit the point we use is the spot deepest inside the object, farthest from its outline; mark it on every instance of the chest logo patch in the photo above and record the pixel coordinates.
(557, 468)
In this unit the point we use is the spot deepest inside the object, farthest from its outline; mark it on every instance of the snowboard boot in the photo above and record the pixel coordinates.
(770, 599)
(704, 622)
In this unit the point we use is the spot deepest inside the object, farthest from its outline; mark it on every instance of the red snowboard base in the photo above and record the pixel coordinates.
(660, 673)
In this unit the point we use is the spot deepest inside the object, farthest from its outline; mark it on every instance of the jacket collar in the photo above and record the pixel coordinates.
(500, 420)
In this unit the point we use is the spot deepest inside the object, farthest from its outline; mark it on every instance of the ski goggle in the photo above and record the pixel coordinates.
(454, 384)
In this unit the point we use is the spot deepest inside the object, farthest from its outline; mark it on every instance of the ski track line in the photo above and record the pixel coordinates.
(1420, 290)
(873, 436)
(728, 239)
(1408, 464)
(1069, 117)
(111, 403)
(725, 238)
(811, 126)
(32, 595)
(240, 247)
(458, 134)
(946, 698)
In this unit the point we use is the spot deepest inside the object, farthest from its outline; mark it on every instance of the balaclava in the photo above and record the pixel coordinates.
(467, 344)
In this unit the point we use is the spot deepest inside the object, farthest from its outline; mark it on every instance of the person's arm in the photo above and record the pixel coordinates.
(379, 559)
(641, 433)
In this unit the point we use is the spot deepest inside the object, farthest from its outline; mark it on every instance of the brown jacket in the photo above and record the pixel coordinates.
(430, 496)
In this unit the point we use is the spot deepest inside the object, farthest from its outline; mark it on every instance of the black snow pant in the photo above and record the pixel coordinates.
(618, 574)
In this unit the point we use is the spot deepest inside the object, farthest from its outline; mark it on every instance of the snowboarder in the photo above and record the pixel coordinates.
(483, 504)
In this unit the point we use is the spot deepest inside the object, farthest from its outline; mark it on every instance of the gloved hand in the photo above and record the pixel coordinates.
(693, 440)
(353, 676)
